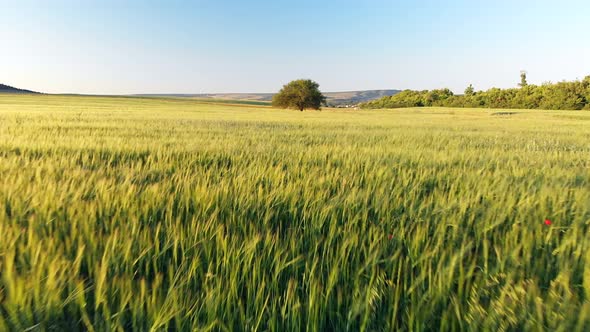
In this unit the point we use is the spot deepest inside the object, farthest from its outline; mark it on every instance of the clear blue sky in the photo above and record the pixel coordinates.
(149, 46)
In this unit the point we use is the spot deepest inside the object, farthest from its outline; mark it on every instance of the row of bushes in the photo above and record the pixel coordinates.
(574, 95)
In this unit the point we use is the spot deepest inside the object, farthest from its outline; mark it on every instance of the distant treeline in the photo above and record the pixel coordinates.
(573, 95)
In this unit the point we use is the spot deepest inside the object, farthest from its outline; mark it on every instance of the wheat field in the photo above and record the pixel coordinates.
(151, 214)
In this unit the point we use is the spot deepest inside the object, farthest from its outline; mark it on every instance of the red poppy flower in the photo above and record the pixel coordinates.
(547, 222)
(390, 236)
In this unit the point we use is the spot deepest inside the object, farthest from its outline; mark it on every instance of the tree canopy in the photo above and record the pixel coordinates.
(523, 81)
(299, 94)
(567, 95)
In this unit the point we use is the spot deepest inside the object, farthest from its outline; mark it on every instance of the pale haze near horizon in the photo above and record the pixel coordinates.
(133, 47)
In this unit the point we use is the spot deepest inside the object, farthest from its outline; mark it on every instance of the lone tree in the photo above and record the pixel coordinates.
(469, 91)
(523, 81)
(299, 94)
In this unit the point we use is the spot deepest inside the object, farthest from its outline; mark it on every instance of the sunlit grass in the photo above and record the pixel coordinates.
(151, 214)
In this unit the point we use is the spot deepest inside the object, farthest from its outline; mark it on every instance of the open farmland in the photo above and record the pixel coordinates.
(156, 214)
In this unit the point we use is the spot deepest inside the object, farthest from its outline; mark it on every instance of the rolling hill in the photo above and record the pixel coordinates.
(334, 98)
(9, 89)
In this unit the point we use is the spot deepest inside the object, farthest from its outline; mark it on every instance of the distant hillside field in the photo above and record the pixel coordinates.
(9, 89)
(153, 214)
(334, 98)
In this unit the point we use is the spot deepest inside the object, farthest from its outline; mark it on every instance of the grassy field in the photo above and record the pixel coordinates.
(170, 214)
